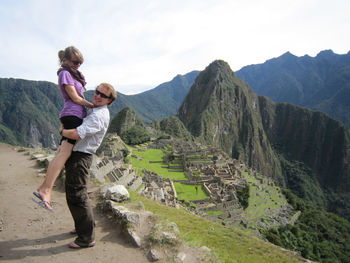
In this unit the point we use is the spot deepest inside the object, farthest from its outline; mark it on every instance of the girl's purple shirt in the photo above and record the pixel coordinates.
(70, 108)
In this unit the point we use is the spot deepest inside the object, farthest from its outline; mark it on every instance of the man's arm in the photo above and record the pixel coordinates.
(69, 133)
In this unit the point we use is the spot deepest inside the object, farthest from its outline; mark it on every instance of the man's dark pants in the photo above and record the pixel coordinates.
(77, 171)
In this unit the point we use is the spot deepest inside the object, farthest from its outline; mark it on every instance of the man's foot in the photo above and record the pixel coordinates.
(76, 246)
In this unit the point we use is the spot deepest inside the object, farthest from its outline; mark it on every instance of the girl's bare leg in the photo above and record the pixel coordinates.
(54, 169)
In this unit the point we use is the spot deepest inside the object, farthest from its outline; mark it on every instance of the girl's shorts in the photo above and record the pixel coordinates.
(70, 122)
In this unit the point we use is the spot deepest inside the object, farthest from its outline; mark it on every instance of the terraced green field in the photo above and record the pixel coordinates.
(264, 199)
(145, 156)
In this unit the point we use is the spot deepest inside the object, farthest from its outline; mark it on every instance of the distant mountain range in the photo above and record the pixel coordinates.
(319, 83)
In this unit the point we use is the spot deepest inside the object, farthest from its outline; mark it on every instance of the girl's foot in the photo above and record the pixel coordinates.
(43, 203)
(43, 195)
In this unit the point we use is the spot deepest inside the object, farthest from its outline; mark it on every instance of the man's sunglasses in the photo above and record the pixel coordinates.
(76, 62)
(102, 94)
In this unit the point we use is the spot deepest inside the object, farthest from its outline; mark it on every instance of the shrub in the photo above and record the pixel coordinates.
(243, 196)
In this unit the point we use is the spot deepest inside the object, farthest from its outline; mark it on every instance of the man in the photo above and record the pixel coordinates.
(89, 136)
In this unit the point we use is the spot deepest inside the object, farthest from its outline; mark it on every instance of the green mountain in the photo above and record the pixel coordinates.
(320, 83)
(29, 112)
(304, 150)
(174, 127)
(129, 127)
(124, 120)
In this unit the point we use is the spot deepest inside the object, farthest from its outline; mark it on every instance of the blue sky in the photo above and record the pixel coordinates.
(137, 45)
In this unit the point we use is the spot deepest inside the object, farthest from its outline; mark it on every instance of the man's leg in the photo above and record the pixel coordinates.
(77, 170)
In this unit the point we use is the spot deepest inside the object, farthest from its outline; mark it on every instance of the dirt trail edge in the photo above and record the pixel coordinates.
(29, 233)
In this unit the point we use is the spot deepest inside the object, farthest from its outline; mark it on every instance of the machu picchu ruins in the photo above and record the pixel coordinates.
(219, 176)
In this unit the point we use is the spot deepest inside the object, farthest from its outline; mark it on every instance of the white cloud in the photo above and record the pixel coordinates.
(140, 44)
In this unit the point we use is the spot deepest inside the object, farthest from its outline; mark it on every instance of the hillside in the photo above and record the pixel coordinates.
(320, 83)
(29, 112)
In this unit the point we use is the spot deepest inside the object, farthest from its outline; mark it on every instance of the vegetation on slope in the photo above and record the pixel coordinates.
(317, 235)
(29, 112)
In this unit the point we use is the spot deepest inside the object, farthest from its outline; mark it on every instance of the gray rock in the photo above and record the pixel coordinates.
(153, 255)
(104, 188)
(135, 239)
(117, 193)
(180, 257)
(125, 215)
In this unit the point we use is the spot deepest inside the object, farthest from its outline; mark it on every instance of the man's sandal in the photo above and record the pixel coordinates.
(76, 246)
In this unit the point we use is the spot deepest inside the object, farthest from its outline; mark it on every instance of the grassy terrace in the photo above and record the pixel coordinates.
(260, 200)
(154, 155)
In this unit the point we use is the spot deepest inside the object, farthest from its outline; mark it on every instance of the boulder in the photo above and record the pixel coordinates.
(117, 193)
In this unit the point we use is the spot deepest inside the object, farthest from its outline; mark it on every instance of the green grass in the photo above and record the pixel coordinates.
(230, 244)
(188, 192)
(214, 213)
(154, 155)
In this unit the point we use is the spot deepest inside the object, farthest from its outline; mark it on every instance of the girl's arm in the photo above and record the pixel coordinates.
(72, 93)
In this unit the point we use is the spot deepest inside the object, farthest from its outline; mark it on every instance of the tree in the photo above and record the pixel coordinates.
(136, 135)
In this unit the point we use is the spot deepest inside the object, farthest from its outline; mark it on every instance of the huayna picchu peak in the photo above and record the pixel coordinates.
(223, 111)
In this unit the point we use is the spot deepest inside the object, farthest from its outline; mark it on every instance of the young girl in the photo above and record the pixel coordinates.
(71, 83)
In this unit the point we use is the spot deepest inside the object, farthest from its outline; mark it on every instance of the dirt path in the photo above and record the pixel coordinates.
(29, 233)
